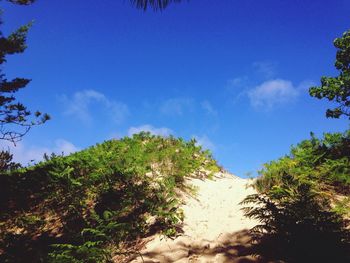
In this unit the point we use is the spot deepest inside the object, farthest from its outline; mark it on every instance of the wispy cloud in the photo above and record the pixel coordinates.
(208, 108)
(64, 147)
(305, 85)
(237, 83)
(176, 106)
(273, 93)
(266, 68)
(240, 86)
(237, 88)
(163, 131)
(27, 154)
(80, 103)
(205, 142)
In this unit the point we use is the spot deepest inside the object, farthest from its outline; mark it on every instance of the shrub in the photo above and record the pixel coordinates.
(322, 163)
(302, 202)
(298, 228)
(103, 196)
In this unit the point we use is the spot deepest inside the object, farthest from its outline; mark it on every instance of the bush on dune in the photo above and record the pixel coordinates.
(303, 203)
(322, 163)
(297, 227)
(91, 202)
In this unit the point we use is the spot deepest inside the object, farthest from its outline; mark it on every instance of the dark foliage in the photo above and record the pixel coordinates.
(22, 2)
(153, 4)
(298, 228)
(303, 203)
(6, 163)
(15, 119)
(337, 89)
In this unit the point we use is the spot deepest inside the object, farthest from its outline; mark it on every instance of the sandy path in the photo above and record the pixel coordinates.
(214, 229)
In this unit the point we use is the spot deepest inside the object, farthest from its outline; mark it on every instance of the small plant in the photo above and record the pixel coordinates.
(30, 222)
(88, 252)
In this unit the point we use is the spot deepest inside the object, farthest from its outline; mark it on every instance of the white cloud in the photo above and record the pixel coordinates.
(265, 68)
(80, 103)
(176, 106)
(273, 93)
(305, 85)
(205, 142)
(163, 131)
(65, 147)
(206, 105)
(237, 88)
(28, 154)
(234, 84)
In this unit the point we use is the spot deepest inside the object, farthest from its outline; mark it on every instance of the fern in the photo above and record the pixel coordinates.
(105, 194)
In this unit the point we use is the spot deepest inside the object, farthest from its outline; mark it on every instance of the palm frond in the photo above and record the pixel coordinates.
(156, 5)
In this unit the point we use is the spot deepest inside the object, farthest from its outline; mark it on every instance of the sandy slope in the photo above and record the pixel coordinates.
(214, 228)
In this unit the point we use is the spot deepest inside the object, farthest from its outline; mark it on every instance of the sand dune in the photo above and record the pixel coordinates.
(214, 228)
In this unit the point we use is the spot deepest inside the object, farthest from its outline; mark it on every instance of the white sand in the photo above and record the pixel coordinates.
(214, 228)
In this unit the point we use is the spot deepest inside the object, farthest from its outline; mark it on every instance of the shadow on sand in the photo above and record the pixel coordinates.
(235, 247)
(239, 247)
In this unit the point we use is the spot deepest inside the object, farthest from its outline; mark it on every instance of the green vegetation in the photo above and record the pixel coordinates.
(93, 204)
(337, 89)
(303, 202)
(297, 227)
(324, 164)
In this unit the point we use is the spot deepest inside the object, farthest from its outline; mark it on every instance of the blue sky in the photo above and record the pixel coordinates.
(233, 74)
